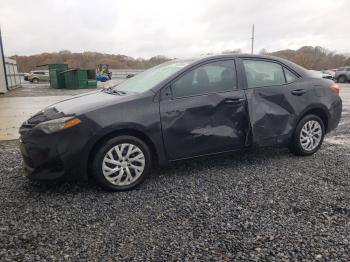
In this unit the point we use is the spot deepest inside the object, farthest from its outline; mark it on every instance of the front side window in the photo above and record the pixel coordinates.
(209, 78)
(263, 73)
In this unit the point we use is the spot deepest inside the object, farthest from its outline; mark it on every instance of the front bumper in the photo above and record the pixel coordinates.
(38, 166)
(55, 156)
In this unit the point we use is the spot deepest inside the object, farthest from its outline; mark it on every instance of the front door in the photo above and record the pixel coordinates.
(205, 112)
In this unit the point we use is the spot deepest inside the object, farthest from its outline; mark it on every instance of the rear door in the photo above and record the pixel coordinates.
(276, 97)
(204, 111)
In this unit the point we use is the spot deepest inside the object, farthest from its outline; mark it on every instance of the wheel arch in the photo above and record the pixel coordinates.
(129, 132)
(318, 111)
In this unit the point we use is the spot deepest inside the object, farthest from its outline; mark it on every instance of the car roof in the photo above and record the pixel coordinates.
(294, 67)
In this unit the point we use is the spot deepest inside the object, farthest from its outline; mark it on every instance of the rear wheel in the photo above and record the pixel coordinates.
(121, 163)
(341, 79)
(35, 80)
(308, 136)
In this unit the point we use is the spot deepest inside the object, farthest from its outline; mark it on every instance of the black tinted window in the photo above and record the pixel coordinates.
(212, 77)
(263, 73)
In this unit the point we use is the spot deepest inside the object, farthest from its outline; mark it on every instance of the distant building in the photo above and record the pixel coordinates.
(13, 78)
(9, 77)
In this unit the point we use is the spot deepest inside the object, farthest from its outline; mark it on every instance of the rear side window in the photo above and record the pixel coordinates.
(290, 77)
(263, 73)
(209, 78)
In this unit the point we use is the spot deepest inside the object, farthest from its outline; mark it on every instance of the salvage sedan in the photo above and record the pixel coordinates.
(178, 110)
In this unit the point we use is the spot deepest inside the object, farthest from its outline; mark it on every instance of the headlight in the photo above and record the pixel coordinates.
(57, 124)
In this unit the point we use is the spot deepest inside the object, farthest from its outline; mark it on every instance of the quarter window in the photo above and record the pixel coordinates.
(290, 77)
(212, 77)
(263, 73)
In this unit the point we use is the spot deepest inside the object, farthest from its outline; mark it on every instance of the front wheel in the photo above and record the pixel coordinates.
(308, 136)
(121, 163)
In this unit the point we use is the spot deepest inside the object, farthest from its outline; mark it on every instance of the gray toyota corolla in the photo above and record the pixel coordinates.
(180, 109)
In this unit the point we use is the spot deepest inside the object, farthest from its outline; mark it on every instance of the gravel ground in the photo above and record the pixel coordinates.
(263, 204)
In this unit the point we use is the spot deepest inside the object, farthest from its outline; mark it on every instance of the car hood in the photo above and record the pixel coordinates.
(91, 101)
(80, 104)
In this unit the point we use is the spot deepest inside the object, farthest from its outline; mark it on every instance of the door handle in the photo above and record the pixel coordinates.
(234, 101)
(298, 92)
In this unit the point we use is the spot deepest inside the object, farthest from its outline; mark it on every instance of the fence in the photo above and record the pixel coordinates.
(13, 77)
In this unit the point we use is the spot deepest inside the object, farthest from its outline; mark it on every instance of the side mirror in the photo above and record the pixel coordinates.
(166, 93)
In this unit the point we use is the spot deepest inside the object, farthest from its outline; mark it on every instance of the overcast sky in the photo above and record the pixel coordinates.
(176, 28)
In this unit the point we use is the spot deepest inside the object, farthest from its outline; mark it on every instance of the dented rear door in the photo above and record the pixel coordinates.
(274, 103)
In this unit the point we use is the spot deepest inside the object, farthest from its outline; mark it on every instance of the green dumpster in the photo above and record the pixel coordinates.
(78, 79)
(59, 67)
(92, 83)
(56, 77)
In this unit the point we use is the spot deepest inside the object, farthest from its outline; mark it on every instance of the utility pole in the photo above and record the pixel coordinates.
(253, 39)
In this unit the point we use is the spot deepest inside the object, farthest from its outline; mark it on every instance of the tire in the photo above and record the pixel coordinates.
(113, 155)
(342, 79)
(311, 142)
(35, 80)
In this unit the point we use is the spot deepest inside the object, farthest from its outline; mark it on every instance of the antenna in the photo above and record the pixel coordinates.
(253, 39)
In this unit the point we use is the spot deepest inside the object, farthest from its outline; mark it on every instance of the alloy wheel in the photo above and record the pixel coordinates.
(123, 164)
(310, 135)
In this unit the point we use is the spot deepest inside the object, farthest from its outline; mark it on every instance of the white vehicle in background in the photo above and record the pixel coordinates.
(321, 74)
(37, 76)
(25, 75)
(342, 75)
(330, 74)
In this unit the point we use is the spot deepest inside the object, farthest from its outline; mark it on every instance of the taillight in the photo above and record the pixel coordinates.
(335, 88)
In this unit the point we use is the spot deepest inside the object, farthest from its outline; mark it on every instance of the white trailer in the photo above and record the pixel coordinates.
(13, 77)
(3, 82)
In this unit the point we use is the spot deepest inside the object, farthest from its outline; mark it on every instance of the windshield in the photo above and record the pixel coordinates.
(151, 77)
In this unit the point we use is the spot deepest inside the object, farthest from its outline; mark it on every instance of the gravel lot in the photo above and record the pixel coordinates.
(261, 204)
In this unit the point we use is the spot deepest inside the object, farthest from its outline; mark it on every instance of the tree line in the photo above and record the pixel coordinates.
(316, 58)
(88, 60)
